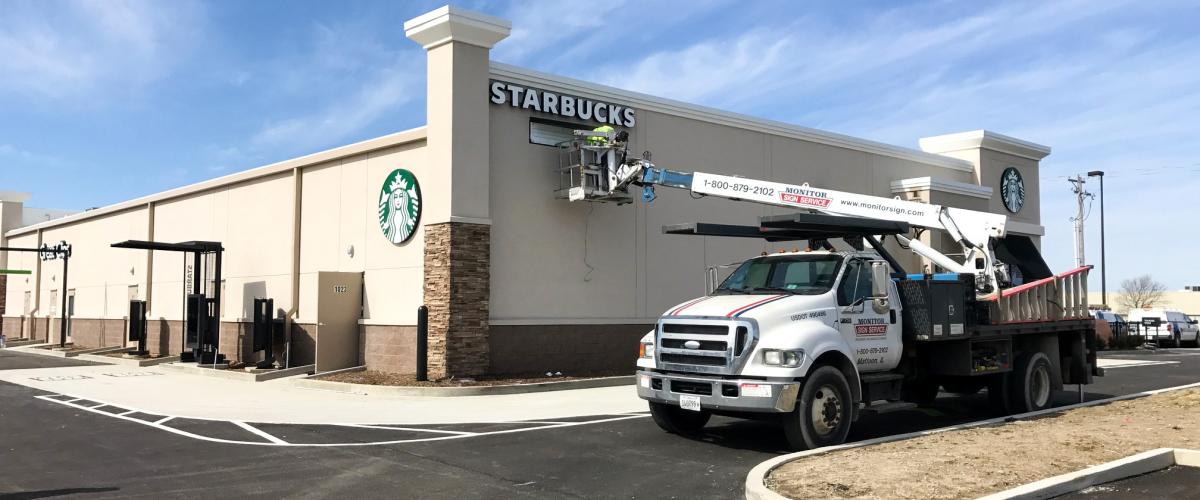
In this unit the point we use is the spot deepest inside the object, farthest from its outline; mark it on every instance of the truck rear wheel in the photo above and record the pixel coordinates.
(677, 420)
(823, 411)
(1030, 385)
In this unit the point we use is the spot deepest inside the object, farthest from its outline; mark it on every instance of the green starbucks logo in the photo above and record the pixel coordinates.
(399, 206)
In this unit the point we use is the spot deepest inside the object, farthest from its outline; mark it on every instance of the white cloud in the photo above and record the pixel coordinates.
(84, 49)
(389, 90)
(1103, 89)
(341, 60)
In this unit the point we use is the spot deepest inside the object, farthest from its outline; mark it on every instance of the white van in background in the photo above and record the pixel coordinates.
(1175, 327)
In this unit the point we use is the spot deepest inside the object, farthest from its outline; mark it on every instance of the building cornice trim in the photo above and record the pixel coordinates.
(984, 139)
(941, 186)
(712, 115)
(1013, 226)
(369, 145)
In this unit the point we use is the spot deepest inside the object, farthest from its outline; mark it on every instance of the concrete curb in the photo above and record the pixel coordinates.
(15, 343)
(239, 375)
(132, 362)
(756, 488)
(1136, 465)
(391, 390)
(37, 349)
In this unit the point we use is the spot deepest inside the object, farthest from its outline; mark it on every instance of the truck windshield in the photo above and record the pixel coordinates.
(796, 274)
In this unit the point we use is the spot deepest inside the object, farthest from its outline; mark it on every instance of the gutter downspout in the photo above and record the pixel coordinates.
(289, 316)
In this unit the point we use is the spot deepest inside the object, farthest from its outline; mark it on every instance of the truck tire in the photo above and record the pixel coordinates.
(677, 420)
(1030, 386)
(823, 411)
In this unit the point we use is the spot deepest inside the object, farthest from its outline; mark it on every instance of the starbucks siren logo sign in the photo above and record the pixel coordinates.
(1012, 189)
(399, 206)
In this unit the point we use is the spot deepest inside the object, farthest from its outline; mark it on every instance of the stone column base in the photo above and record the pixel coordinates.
(457, 291)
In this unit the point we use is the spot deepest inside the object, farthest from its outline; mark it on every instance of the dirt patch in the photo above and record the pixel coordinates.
(973, 462)
(371, 377)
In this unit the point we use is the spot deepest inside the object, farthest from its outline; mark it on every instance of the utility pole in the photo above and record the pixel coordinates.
(1080, 194)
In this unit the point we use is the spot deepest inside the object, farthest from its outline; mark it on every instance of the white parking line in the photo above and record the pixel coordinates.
(274, 441)
(259, 432)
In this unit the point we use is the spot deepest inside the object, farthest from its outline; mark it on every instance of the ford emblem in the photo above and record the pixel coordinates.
(692, 344)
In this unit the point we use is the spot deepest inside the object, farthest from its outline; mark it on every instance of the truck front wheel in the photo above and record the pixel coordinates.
(1031, 384)
(677, 420)
(823, 411)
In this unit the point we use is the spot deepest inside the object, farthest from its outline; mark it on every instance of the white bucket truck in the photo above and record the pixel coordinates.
(815, 337)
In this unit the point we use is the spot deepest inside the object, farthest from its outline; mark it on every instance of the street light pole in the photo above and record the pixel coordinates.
(1103, 267)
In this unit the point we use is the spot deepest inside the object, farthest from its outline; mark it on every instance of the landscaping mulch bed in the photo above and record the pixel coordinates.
(969, 463)
(372, 377)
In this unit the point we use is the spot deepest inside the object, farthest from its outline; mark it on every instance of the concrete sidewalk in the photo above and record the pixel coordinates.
(159, 391)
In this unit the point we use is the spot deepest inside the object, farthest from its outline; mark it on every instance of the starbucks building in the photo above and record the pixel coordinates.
(464, 216)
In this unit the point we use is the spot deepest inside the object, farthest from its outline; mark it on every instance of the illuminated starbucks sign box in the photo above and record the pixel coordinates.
(562, 105)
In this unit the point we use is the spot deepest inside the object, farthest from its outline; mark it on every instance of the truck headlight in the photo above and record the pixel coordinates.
(779, 357)
(646, 350)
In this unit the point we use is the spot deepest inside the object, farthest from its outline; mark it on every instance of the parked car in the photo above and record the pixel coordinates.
(1175, 328)
(1118, 328)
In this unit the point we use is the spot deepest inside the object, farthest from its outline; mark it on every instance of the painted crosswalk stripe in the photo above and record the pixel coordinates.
(258, 432)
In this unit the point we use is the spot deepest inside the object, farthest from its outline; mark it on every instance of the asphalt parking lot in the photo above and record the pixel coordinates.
(57, 445)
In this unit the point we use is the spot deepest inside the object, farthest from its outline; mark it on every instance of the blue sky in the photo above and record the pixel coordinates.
(104, 101)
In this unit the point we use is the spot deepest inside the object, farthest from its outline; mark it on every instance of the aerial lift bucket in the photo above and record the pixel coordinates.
(586, 166)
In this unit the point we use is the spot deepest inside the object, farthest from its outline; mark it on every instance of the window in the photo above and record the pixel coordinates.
(797, 274)
(54, 302)
(28, 303)
(856, 283)
(551, 133)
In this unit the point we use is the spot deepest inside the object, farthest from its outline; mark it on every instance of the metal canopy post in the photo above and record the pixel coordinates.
(198, 249)
(62, 324)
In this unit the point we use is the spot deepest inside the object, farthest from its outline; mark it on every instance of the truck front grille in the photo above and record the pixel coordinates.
(695, 329)
(693, 360)
(704, 345)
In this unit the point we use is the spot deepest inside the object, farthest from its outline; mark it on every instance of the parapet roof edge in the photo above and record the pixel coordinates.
(394, 139)
(985, 139)
(704, 113)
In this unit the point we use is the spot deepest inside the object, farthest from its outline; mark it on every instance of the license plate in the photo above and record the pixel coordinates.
(689, 403)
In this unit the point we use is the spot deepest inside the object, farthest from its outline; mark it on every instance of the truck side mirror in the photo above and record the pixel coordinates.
(879, 286)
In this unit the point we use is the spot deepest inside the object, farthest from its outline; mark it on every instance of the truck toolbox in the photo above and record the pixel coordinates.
(925, 321)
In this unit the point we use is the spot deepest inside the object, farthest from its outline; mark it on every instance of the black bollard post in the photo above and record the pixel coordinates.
(422, 343)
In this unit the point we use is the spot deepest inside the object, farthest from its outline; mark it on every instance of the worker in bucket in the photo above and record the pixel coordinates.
(600, 140)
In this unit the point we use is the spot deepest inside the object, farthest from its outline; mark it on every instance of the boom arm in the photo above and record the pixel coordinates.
(971, 229)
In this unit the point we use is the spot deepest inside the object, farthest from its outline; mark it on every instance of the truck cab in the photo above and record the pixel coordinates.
(782, 328)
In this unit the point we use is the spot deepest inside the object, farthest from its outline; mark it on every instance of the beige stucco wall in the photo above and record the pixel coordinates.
(538, 242)
(99, 275)
(252, 218)
(19, 284)
(340, 211)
